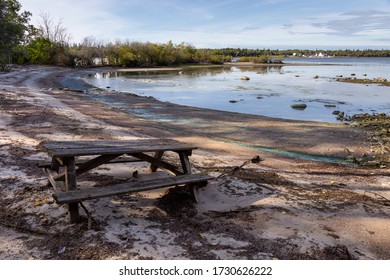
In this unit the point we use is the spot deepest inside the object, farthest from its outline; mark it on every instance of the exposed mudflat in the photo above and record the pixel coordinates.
(317, 190)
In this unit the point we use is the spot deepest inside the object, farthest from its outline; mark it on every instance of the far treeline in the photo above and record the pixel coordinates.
(49, 44)
(237, 52)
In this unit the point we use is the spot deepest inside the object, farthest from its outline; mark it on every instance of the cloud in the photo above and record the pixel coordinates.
(221, 23)
(357, 23)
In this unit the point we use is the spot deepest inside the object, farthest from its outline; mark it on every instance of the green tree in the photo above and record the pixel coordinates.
(13, 27)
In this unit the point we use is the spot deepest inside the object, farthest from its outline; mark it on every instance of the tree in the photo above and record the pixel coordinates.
(49, 45)
(13, 27)
(54, 31)
(89, 52)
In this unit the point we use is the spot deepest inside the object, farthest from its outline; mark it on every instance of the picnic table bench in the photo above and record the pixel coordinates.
(70, 159)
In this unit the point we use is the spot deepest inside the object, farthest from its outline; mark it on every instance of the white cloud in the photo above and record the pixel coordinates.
(226, 23)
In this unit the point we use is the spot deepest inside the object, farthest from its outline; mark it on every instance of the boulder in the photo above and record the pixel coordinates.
(299, 106)
(245, 78)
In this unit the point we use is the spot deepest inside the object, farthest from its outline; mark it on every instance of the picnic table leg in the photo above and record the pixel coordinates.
(55, 164)
(71, 184)
(157, 155)
(185, 164)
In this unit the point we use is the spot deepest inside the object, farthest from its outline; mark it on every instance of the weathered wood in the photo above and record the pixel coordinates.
(88, 165)
(80, 162)
(185, 162)
(82, 148)
(55, 164)
(52, 176)
(157, 155)
(93, 163)
(105, 143)
(71, 185)
(158, 163)
(113, 150)
(63, 153)
(93, 193)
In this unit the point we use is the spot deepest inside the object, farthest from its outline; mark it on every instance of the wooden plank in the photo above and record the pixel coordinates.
(71, 185)
(52, 175)
(115, 150)
(93, 163)
(79, 162)
(158, 163)
(93, 193)
(55, 164)
(73, 148)
(185, 162)
(89, 165)
(58, 145)
(158, 156)
(104, 143)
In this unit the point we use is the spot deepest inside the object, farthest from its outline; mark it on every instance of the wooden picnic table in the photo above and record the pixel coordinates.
(70, 159)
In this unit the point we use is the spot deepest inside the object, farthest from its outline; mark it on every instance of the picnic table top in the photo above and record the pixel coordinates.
(109, 147)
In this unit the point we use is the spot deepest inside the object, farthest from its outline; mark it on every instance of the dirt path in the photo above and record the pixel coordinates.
(303, 200)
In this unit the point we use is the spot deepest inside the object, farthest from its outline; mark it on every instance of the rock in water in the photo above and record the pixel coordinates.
(300, 106)
(245, 78)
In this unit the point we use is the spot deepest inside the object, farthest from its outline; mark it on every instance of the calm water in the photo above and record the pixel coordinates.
(270, 91)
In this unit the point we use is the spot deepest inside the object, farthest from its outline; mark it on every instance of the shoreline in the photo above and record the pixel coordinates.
(302, 89)
(279, 208)
(374, 127)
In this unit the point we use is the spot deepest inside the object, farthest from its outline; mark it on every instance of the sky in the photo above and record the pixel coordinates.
(281, 24)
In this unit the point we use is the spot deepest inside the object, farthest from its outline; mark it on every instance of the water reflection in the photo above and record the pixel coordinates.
(192, 72)
(270, 91)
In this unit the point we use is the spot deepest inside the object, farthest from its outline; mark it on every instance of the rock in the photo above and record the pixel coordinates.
(379, 80)
(256, 159)
(300, 106)
(233, 101)
(353, 74)
(330, 105)
(316, 77)
(340, 116)
(336, 112)
(245, 78)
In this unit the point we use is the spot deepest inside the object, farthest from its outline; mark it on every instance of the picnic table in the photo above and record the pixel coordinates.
(70, 159)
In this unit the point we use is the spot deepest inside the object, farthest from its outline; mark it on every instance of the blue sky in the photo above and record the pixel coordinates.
(230, 23)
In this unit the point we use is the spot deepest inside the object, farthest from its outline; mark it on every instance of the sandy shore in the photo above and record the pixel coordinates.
(303, 200)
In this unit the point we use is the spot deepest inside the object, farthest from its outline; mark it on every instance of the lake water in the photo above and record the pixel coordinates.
(270, 91)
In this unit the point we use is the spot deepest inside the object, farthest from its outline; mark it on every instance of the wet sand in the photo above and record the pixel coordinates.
(305, 199)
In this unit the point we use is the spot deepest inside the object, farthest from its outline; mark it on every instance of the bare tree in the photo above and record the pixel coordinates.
(52, 30)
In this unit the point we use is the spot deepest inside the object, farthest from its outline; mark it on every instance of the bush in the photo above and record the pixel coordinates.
(244, 59)
(254, 59)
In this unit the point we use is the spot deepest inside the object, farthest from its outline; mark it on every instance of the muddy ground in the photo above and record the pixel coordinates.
(313, 191)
